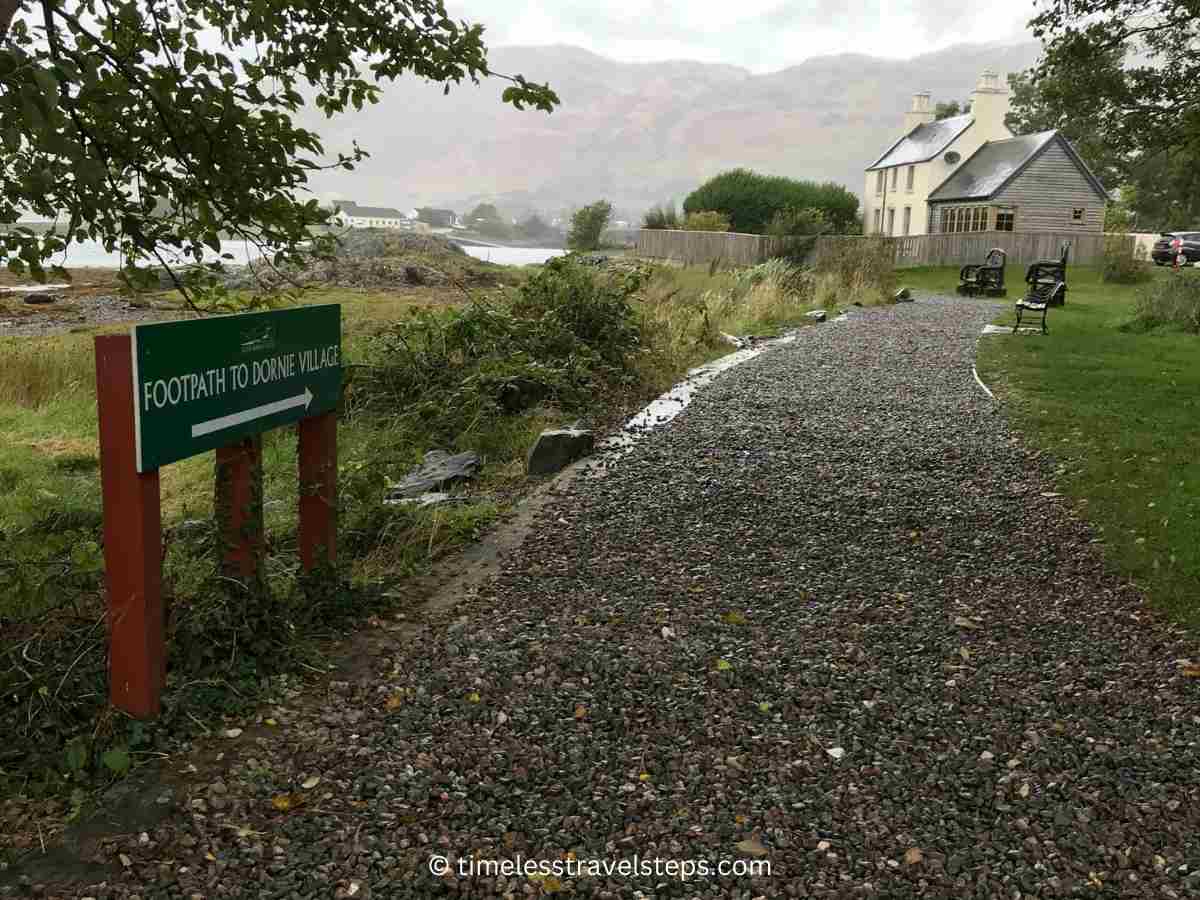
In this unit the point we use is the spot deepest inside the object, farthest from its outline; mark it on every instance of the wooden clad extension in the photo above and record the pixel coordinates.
(1048, 191)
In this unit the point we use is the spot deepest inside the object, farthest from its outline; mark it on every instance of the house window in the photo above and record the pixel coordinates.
(892, 219)
(978, 219)
(1005, 219)
(1077, 216)
(879, 176)
(895, 176)
(878, 221)
(908, 217)
(912, 175)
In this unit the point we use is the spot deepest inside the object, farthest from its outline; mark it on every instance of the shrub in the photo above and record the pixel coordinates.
(587, 225)
(793, 222)
(785, 275)
(567, 334)
(751, 200)
(660, 217)
(855, 270)
(1123, 264)
(706, 220)
(1173, 301)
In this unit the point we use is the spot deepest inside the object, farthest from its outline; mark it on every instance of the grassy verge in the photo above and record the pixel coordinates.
(430, 367)
(1118, 410)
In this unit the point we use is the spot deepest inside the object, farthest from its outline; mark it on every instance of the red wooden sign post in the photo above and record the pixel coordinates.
(133, 521)
(132, 541)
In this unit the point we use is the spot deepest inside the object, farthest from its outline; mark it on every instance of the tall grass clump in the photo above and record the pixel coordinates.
(37, 371)
(1172, 302)
(1123, 263)
(859, 270)
(661, 217)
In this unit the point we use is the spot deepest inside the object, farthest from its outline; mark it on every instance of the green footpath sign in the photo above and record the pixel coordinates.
(204, 383)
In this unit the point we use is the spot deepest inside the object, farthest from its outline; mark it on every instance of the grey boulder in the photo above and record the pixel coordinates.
(817, 315)
(557, 448)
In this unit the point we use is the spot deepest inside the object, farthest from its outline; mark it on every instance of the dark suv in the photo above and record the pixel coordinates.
(1163, 255)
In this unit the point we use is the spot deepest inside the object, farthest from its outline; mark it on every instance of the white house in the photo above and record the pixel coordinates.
(969, 173)
(349, 214)
(900, 181)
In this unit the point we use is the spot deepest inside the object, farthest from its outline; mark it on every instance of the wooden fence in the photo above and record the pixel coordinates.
(698, 247)
(734, 249)
(1087, 248)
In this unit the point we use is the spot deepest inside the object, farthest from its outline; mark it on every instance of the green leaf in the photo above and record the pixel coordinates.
(77, 756)
(116, 760)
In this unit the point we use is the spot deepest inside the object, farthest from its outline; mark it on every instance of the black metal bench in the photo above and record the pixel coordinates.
(1051, 272)
(985, 278)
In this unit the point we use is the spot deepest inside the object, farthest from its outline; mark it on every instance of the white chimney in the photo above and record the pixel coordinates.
(920, 113)
(989, 106)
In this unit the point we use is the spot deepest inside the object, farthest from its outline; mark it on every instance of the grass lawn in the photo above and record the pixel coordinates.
(1119, 410)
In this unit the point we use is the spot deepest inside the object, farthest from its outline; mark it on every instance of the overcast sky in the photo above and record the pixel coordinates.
(760, 35)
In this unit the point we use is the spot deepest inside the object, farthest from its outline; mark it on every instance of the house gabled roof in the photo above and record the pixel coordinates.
(369, 212)
(924, 142)
(994, 165)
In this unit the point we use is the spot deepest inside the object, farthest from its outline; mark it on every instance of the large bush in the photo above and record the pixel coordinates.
(751, 200)
(1173, 302)
(793, 222)
(707, 220)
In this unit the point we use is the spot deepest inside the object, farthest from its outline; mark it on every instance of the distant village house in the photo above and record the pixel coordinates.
(349, 214)
(969, 173)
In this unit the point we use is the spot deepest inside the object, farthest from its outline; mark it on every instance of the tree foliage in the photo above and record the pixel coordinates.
(951, 108)
(660, 217)
(157, 129)
(792, 222)
(587, 225)
(534, 226)
(706, 220)
(1122, 87)
(1130, 67)
(751, 200)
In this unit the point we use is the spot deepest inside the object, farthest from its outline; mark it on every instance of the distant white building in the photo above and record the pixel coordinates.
(349, 214)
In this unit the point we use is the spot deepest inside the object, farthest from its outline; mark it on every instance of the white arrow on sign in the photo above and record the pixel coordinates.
(249, 415)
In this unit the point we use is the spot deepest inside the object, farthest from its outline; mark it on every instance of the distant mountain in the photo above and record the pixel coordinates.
(638, 133)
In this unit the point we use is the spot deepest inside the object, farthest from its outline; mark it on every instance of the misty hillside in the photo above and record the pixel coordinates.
(638, 133)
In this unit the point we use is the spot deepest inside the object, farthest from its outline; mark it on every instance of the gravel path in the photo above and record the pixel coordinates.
(828, 619)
